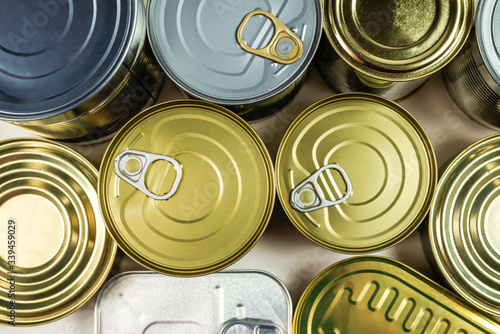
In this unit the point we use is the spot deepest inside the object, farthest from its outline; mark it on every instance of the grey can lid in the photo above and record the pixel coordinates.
(196, 44)
(147, 302)
(56, 54)
(488, 35)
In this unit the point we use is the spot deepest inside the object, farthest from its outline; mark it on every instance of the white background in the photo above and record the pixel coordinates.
(282, 250)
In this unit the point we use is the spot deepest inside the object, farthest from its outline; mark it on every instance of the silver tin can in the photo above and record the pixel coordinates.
(247, 56)
(473, 77)
(75, 70)
(390, 48)
(226, 302)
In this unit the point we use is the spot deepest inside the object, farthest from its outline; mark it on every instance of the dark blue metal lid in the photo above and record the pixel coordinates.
(56, 54)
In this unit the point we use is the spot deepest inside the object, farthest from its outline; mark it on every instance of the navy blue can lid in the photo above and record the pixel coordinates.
(56, 54)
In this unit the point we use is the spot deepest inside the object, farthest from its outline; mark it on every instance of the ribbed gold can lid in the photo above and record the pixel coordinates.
(356, 173)
(186, 188)
(464, 224)
(380, 295)
(55, 252)
(398, 40)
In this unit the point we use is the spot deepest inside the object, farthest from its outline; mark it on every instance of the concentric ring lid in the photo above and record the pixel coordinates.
(186, 188)
(463, 224)
(488, 35)
(55, 54)
(380, 295)
(356, 173)
(197, 44)
(398, 40)
(55, 252)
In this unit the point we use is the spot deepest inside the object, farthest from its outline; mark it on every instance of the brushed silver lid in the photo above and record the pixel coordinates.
(225, 302)
(196, 43)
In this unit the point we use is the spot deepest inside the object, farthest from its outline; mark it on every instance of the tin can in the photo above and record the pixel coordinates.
(186, 188)
(225, 302)
(248, 56)
(463, 225)
(55, 252)
(473, 78)
(379, 295)
(390, 48)
(75, 71)
(355, 173)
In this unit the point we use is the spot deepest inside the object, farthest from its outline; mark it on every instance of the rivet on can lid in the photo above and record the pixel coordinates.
(284, 47)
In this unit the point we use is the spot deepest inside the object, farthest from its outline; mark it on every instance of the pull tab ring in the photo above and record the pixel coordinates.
(137, 177)
(309, 186)
(285, 46)
(253, 325)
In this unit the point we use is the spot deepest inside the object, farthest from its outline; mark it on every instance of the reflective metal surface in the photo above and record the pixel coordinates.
(473, 78)
(75, 71)
(386, 159)
(55, 252)
(380, 295)
(227, 302)
(197, 45)
(223, 200)
(390, 47)
(463, 225)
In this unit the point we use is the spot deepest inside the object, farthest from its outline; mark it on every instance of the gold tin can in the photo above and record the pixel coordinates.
(82, 74)
(216, 174)
(463, 229)
(55, 252)
(390, 48)
(356, 173)
(379, 295)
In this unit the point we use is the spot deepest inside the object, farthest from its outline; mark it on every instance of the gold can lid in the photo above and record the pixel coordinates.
(356, 173)
(398, 40)
(464, 224)
(380, 295)
(186, 188)
(55, 252)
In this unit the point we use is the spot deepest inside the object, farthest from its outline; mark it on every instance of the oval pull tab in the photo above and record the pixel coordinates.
(309, 188)
(137, 176)
(252, 325)
(285, 46)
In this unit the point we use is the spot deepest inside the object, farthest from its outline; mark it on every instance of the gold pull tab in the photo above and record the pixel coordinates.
(285, 46)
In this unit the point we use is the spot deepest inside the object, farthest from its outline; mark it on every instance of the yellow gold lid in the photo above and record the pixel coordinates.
(380, 295)
(356, 173)
(55, 252)
(398, 40)
(186, 188)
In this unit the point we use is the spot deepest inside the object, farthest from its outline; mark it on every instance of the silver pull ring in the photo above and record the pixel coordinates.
(252, 325)
(137, 177)
(310, 187)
